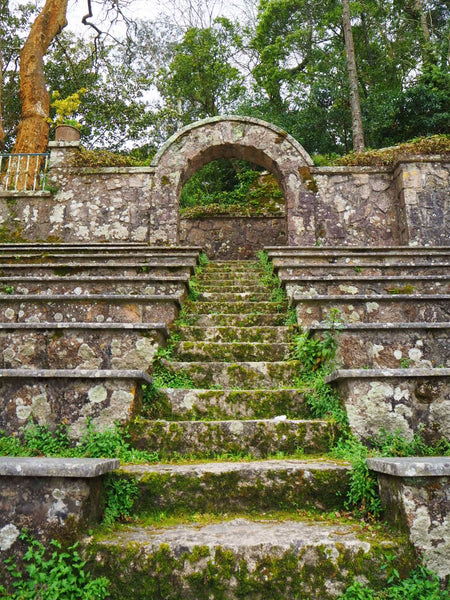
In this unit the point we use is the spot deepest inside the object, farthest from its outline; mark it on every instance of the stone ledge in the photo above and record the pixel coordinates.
(89, 326)
(56, 467)
(385, 373)
(25, 194)
(381, 326)
(74, 374)
(350, 249)
(434, 466)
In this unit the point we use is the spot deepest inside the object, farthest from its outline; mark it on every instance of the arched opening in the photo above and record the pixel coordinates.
(231, 187)
(235, 138)
(230, 205)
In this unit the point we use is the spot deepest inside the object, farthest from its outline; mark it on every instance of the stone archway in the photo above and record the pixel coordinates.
(246, 138)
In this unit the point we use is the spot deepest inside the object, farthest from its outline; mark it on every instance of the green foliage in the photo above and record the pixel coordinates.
(421, 584)
(59, 574)
(362, 496)
(230, 187)
(201, 76)
(436, 144)
(104, 158)
(39, 441)
(120, 494)
(317, 353)
(394, 444)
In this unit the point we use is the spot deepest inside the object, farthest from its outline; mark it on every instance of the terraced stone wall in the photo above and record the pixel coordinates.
(380, 206)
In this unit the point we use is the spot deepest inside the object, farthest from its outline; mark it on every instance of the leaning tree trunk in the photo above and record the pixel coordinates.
(355, 105)
(34, 128)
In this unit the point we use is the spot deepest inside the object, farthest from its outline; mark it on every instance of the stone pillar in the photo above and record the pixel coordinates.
(423, 199)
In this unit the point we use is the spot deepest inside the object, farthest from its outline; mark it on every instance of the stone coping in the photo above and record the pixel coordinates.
(75, 374)
(25, 194)
(369, 298)
(142, 277)
(374, 265)
(186, 256)
(413, 373)
(380, 326)
(434, 466)
(363, 278)
(350, 249)
(108, 170)
(56, 467)
(99, 265)
(88, 326)
(149, 298)
(351, 169)
(99, 246)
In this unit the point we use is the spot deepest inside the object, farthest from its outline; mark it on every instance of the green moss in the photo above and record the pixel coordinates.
(219, 573)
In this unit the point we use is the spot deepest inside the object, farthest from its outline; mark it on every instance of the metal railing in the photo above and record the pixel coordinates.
(23, 172)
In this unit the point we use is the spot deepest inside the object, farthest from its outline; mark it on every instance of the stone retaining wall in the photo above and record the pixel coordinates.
(233, 237)
(379, 206)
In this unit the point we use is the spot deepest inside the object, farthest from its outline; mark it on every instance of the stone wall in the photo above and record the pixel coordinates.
(233, 237)
(355, 206)
(409, 204)
(422, 191)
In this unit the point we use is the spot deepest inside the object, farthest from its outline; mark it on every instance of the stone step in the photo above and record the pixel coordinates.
(300, 271)
(391, 345)
(273, 251)
(252, 485)
(236, 277)
(80, 345)
(103, 247)
(187, 404)
(130, 269)
(240, 320)
(168, 259)
(370, 309)
(405, 401)
(75, 397)
(94, 308)
(361, 259)
(359, 285)
(259, 558)
(230, 287)
(230, 351)
(85, 285)
(257, 437)
(240, 375)
(240, 307)
(225, 296)
(266, 334)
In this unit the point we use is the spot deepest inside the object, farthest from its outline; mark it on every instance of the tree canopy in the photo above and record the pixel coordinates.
(288, 64)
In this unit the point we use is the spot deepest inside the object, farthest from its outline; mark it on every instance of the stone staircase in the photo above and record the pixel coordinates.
(79, 326)
(266, 528)
(394, 352)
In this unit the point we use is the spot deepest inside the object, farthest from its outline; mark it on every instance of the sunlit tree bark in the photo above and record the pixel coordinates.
(33, 129)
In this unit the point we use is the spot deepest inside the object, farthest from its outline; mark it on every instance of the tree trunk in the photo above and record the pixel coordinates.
(33, 128)
(355, 105)
(425, 32)
(2, 130)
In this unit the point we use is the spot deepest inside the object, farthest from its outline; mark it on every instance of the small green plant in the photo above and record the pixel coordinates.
(50, 575)
(421, 584)
(362, 496)
(405, 363)
(120, 494)
(406, 289)
(8, 289)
